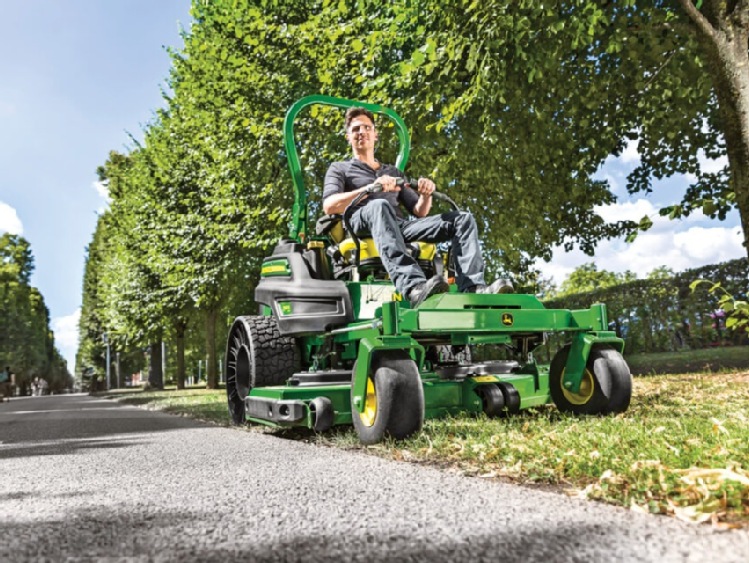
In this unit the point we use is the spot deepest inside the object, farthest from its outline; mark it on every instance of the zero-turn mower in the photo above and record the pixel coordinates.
(335, 344)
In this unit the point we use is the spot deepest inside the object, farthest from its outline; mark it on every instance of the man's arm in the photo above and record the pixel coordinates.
(335, 196)
(336, 204)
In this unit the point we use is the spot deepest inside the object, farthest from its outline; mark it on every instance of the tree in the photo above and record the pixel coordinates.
(722, 29)
(513, 108)
(26, 341)
(522, 102)
(588, 277)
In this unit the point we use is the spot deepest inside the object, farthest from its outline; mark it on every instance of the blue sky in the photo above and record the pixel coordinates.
(78, 76)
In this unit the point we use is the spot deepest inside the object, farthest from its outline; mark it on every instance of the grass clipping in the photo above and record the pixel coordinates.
(682, 449)
(697, 494)
(682, 414)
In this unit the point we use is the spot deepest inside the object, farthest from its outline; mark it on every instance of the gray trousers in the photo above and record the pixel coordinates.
(391, 234)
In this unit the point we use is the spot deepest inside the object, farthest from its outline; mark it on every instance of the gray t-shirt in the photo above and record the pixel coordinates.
(353, 174)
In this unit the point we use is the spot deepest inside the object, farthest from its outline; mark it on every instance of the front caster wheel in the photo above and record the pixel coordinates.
(606, 385)
(393, 402)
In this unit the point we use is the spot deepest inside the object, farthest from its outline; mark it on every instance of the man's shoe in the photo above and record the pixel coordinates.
(498, 286)
(432, 286)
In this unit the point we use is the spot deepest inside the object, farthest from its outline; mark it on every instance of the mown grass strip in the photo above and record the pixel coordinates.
(681, 449)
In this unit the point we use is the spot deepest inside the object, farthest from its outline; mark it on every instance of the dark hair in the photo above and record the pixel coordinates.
(353, 113)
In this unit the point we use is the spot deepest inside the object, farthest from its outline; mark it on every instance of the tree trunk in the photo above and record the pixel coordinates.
(210, 346)
(726, 38)
(155, 374)
(117, 371)
(180, 337)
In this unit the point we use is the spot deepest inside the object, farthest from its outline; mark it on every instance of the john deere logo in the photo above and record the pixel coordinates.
(507, 319)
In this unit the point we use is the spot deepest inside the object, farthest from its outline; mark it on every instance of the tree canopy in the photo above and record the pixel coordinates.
(26, 342)
(513, 107)
(588, 277)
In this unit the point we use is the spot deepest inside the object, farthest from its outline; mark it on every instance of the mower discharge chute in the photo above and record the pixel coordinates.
(335, 344)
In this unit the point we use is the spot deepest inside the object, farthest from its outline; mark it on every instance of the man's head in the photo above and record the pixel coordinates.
(353, 113)
(360, 129)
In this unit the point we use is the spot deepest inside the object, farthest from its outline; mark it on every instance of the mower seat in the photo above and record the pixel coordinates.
(344, 247)
(368, 250)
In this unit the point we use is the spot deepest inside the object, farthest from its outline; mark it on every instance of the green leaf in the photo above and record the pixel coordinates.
(418, 58)
(645, 223)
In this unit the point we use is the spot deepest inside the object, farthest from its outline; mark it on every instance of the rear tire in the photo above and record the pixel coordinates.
(256, 356)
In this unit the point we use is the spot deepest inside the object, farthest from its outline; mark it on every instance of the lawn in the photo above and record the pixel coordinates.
(681, 449)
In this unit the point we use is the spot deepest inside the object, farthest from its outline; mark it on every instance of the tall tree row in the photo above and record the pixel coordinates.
(26, 342)
(513, 108)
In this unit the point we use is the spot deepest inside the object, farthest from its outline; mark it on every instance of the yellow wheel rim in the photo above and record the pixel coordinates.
(585, 393)
(370, 404)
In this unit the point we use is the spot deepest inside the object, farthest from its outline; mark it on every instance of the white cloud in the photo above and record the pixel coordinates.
(66, 336)
(615, 184)
(635, 210)
(9, 221)
(708, 165)
(631, 153)
(102, 189)
(682, 244)
(679, 245)
(628, 210)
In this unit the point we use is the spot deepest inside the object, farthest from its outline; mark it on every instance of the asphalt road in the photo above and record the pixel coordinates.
(86, 479)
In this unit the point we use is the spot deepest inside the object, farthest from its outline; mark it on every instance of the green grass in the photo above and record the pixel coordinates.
(724, 358)
(208, 405)
(681, 449)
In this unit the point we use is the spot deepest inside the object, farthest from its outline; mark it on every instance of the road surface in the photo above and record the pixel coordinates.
(87, 479)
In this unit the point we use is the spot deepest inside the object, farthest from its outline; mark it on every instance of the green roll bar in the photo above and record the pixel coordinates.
(298, 226)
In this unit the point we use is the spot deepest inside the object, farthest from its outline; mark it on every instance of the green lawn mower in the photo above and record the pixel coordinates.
(335, 344)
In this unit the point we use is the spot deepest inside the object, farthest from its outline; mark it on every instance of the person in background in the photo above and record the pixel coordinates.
(6, 384)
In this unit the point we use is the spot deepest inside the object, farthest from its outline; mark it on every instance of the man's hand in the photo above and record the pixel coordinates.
(388, 183)
(426, 187)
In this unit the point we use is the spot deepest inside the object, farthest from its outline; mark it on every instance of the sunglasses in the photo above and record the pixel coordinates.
(356, 128)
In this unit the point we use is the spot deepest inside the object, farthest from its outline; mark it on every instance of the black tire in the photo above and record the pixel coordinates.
(603, 387)
(323, 414)
(407, 415)
(394, 400)
(492, 399)
(511, 397)
(256, 356)
(621, 381)
(371, 424)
